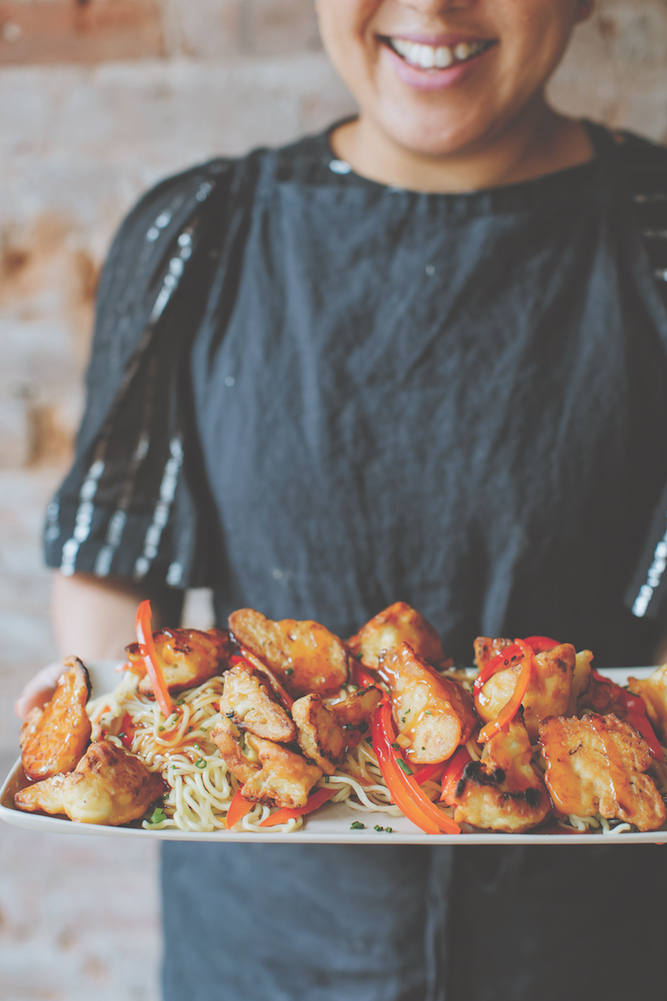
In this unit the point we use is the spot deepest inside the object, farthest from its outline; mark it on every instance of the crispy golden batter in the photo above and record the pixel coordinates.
(305, 655)
(188, 657)
(502, 792)
(246, 699)
(108, 786)
(241, 760)
(596, 764)
(433, 714)
(653, 690)
(548, 692)
(270, 773)
(400, 623)
(54, 738)
(486, 649)
(325, 734)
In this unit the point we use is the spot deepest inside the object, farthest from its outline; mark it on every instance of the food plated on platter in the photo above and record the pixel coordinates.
(250, 731)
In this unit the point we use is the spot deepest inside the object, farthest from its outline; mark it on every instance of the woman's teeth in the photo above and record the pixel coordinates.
(430, 57)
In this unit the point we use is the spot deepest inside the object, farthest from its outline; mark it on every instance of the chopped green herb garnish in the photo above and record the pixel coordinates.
(198, 748)
(428, 713)
(190, 728)
(356, 825)
(396, 747)
(402, 719)
(402, 765)
(157, 816)
(290, 670)
(423, 748)
(378, 828)
(201, 763)
(389, 830)
(358, 656)
(326, 780)
(122, 735)
(160, 729)
(407, 711)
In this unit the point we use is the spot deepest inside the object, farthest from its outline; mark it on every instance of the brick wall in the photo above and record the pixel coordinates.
(98, 99)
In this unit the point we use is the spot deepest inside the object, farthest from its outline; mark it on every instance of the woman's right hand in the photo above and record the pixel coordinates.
(39, 689)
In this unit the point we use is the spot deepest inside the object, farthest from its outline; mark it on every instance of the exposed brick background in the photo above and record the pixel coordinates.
(99, 99)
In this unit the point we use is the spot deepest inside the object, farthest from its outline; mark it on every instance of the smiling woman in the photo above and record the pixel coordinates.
(452, 94)
(418, 358)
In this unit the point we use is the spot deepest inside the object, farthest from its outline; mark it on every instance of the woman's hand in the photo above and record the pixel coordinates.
(93, 619)
(39, 689)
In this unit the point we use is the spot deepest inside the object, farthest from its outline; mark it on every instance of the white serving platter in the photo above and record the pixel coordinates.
(329, 825)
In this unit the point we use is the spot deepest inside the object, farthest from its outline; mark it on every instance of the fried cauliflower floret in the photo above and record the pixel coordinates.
(400, 623)
(548, 692)
(325, 734)
(433, 714)
(486, 649)
(596, 764)
(246, 700)
(54, 738)
(502, 792)
(305, 656)
(108, 786)
(270, 773)
(188, 657)
(653, 690)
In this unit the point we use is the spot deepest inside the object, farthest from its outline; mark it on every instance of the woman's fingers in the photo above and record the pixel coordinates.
(39, 689)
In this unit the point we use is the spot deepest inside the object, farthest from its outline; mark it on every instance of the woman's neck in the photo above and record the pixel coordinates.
(537, 142)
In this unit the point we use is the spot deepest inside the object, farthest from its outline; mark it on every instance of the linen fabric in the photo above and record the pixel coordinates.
(319, 395)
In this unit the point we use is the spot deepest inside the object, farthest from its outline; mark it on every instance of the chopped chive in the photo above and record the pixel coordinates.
(326, 779)
(423, 748)
(200, 763)
(428, 713)
(290, 670)
(402, 719)
(198, 748)
(396, 747)
(122, 735)
(402, 765)
(389, 830)
(160, 729)
(356, 825)
(378, 828)
(157, 816)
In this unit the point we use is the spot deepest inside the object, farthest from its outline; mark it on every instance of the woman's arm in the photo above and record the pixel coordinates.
(93, 618)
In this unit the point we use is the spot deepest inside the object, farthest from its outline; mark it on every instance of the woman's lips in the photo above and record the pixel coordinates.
(435, 64)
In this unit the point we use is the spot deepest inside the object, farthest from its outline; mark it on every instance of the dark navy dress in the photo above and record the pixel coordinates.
(319, 395)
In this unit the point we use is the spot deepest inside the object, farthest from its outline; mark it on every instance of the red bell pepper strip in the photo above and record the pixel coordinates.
(145, 637)
(238, 808)
(455, 768)
(509, 710)
(314, 802)
(126, 733)
(540, 644)
(427, 772)
(635, 708)
(363, 677)
(405, 792)
(497, 663)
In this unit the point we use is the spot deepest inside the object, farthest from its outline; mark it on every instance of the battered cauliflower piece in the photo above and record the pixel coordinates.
(325, 734)
(486, 649)
(596, 764)
(548, 692)
(400, 623)
(188, 658)
(270, 773)
(108, 786)
(305, 656)
(433, 714)
(653, 690)
(502, 792)
(54, 738)
(246, 700)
